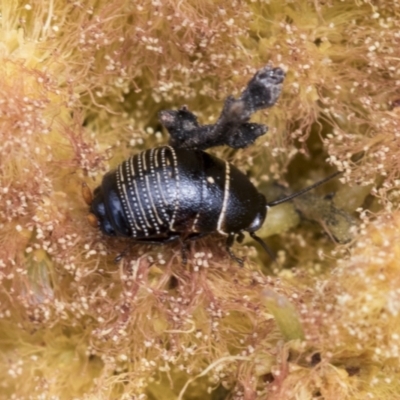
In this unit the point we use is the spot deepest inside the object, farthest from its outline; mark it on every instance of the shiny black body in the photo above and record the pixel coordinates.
(167, 193)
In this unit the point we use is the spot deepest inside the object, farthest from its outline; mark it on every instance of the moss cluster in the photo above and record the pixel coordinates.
(81, 83)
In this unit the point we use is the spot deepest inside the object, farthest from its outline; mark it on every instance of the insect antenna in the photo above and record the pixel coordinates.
(284, 200)
(301, 192)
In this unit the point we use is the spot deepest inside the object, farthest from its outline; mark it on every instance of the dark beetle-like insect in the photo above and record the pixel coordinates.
(180, 192)
(166, 193)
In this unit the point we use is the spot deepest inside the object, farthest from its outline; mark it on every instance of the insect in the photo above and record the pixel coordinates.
(166, 194)
(180, 192)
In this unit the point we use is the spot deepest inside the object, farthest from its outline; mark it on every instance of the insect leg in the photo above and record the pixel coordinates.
(121, 255)
(186, 242)
(159, 241)
(184, 251)
(264, 246)
(196, 236)
(240, 237)
(229, 243)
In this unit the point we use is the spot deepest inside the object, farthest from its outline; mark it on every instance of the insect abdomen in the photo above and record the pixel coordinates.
(160, 190)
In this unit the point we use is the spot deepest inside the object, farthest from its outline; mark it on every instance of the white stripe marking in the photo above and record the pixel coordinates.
(125, 201)
(160, 222)
(221, 218)
(142, 213)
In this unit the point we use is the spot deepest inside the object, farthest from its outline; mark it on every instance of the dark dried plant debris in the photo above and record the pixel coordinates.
(232, 128)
